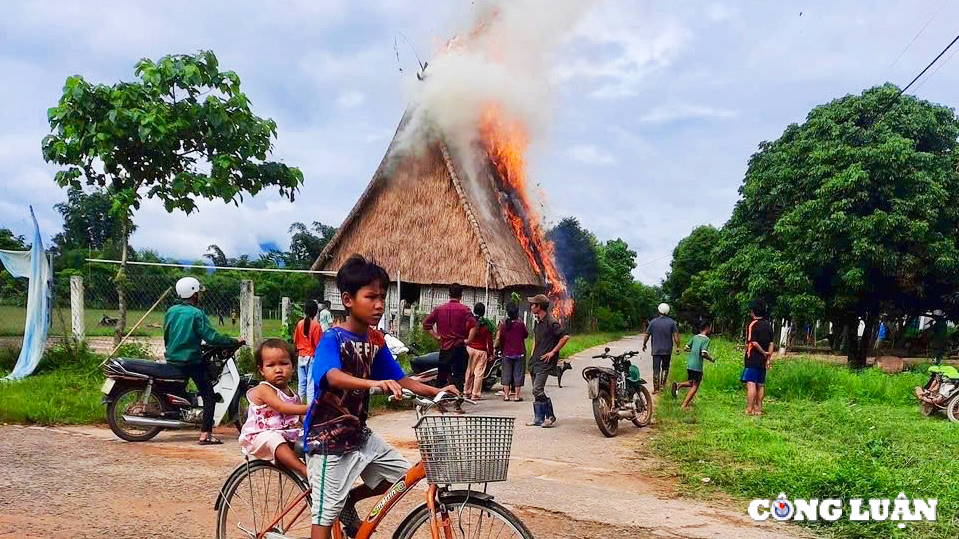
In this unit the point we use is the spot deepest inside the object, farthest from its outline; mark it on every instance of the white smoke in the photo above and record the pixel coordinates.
(501, 57)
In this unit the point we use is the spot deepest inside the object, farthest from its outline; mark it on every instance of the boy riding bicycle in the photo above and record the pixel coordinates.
(350, 360)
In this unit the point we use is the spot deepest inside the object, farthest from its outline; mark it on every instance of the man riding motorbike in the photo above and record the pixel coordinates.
(185, 328)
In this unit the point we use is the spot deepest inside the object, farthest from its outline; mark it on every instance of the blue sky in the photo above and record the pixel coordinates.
(655, 106)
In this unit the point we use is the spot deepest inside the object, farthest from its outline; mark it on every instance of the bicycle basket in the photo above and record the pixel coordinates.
(465, 449)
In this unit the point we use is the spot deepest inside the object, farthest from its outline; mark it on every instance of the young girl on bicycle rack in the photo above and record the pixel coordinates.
(350, 360)
(272, 423)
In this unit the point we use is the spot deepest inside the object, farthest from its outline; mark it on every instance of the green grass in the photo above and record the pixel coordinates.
(11, 323)
(827, 433)
(584, 341)
(66, 387)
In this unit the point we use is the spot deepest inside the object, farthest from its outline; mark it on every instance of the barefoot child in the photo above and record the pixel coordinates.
(272, 422)
(698, 351)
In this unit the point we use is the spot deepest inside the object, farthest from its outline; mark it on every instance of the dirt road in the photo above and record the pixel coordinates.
(566, 482)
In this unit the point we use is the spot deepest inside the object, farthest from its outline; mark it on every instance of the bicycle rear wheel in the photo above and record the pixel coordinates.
(257, 498)
(469, 518)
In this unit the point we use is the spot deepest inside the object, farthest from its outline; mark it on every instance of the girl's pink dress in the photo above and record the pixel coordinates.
(265, 428)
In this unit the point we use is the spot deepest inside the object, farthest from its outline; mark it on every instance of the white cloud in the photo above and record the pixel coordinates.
(591, 155)
(349, 100)
(684, 111)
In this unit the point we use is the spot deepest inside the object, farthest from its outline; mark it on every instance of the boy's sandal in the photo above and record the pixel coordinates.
(211, 441)
(518, 399)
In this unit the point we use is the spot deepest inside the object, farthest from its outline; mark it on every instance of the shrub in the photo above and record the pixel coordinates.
(8, 358)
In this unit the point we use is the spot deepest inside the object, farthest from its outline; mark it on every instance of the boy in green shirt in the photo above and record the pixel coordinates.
(698, 349)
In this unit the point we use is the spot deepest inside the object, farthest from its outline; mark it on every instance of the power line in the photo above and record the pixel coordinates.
(921, 30)
(648, 262)
(921, 73)
(933, 74)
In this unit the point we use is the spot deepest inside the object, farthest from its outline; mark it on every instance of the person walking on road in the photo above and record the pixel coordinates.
(549, 338)
(665, 335)
(453, 325)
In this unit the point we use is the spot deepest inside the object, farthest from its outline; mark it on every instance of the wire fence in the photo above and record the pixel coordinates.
(144, 286)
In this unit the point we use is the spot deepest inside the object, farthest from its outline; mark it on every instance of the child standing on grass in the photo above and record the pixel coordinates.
(306, 336)
(698, 349)
(273, 419)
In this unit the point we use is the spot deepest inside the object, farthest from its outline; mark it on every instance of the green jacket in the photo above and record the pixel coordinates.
(184, 328)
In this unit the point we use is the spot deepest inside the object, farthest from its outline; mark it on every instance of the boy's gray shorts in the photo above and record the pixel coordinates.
(332, 476)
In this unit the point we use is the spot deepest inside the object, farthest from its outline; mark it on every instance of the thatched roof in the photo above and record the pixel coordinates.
(421, 217)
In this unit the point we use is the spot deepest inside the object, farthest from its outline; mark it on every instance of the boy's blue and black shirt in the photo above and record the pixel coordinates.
(336, 420)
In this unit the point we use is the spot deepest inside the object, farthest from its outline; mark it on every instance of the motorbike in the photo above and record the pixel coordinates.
(941, 392)
(618, 393)
(144, 397)
(426, 366)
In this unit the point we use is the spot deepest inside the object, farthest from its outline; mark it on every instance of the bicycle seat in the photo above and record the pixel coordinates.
(298, 448)
(155, 369)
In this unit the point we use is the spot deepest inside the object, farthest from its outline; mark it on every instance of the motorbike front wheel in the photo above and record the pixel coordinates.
(644, 407)
(606, 420)
(130, 402)
(952, 409)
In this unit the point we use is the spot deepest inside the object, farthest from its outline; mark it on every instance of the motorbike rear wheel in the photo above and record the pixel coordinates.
(129, 402)
(952, 409)
(606, 420)
(644, 407)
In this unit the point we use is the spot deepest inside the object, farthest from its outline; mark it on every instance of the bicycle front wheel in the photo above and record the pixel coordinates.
(469, 518)
(263, 499)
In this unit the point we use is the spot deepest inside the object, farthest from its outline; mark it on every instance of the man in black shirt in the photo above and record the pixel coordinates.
(549, 338)
(759, 351)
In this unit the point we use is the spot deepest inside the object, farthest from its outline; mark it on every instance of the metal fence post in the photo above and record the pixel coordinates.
(285, 311)
(257, 320)
(76, 307)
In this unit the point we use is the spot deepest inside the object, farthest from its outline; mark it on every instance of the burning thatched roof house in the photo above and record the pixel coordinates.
(431, 222)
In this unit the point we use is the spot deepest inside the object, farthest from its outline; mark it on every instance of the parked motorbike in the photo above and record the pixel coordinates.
(426, 366)
(618, 393)
(144, 397)
(941, 392)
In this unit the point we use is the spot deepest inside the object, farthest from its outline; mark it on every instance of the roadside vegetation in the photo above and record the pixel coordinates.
(827, 432)
(65, 390)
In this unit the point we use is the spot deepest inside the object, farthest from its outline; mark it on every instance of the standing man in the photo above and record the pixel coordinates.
(665, 335)
(453, 325)
(549, 338)
(759, 351)
(185, 328)
(326, 317)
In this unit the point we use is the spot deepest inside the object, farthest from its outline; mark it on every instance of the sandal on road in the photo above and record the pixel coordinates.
(210, 441)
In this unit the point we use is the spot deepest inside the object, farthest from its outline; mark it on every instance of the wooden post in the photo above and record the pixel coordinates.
(413, 317)
(399, 303)
(257, 320)
(399, 319)
(285, 311)
(76, 307)
(246, 312)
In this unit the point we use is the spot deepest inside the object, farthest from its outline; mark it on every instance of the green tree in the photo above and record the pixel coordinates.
(88, 222)
(692, 255)
(306, 244)
(576, 251)
(183, 131)
(12, 242)
(848, 216)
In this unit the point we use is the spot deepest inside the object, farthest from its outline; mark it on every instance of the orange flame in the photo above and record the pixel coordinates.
(506, 143)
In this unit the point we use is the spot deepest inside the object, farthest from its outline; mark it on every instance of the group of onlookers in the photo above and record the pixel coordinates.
(468, 341)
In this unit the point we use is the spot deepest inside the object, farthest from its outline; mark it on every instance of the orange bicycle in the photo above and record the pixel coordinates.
(260, 500)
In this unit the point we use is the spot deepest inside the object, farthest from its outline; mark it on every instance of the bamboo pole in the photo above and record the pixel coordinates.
(135, 326)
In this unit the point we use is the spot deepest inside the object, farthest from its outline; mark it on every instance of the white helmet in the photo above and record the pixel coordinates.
(187, 287)
(663, 309)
